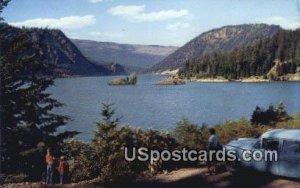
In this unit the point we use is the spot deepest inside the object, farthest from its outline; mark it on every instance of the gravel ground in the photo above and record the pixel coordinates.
(189, 178)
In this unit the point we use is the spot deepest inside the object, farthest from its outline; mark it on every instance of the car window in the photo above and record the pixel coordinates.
(291, 146)
(269, 144)
(257, 145)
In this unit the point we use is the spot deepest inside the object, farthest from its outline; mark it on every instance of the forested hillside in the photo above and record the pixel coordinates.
(223, 39)
(270, 58)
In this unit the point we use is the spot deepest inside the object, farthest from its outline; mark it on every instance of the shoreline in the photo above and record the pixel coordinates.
(204, 80)
(242, 80)
(219, 79)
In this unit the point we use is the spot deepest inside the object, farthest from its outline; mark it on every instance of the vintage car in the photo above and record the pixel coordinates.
(284, 142)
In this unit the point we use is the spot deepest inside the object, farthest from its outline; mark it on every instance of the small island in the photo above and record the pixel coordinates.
(131, 80)
(171, 81)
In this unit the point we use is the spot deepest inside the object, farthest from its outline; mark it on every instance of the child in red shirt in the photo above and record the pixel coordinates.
(63, 169)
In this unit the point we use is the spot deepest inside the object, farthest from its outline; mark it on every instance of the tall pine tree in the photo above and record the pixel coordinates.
(28, 125)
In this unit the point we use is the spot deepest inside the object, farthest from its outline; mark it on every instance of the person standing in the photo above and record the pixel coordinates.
(49, 161)
(63, 169)
(213, 140)
(213, 146)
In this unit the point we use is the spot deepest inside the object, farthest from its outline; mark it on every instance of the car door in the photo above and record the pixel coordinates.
(290, 159)
(267, 163)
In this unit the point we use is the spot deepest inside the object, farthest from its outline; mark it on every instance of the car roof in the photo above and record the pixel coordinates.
(291, 134)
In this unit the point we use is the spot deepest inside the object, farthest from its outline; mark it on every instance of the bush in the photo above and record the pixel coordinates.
(292, 123)
(242, 128)
(269, 116)
(15, 178)
(190, 135)
(82, 161)
(155, 140)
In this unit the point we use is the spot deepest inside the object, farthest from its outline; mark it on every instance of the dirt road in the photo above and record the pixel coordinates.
(189, 178)
(199, 177)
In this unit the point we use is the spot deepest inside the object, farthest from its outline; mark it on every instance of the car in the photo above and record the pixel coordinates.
(276, 151)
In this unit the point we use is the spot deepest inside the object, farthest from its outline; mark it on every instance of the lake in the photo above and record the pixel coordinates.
(159, 107)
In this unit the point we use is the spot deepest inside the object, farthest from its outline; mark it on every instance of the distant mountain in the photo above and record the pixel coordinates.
(58, 50)
(218, 40)
(133, 57)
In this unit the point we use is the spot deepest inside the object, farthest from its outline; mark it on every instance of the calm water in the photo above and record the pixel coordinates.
(153, 106)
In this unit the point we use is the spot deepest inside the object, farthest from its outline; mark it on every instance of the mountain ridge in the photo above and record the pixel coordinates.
(272, 59)
(135, 57)
(58, 50)
(221, 39)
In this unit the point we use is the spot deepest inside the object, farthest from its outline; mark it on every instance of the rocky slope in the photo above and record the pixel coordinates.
(58, 50)
(218, 40)
(133, 57)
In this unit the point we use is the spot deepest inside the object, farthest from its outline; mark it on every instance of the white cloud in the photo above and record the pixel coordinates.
(121, 10)
(285, 23)
(95, 1)
(137, 13)
(69, 22)
(112, 35)
(161, 15)
(177, 26)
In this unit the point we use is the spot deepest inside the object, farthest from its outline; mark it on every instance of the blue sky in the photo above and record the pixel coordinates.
(161, 22)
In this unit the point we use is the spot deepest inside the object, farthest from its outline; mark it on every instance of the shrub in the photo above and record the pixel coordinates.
(269, 116)
(155, 140)
(293, 122)
(190, 135)
(242, 128)
(15, 178)
(82, 161)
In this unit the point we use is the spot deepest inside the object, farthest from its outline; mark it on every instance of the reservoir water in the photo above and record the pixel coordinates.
(148, 105)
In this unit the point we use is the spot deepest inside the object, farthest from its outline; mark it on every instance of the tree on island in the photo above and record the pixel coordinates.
(131, 80)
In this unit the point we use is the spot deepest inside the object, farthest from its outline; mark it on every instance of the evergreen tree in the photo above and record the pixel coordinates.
(3, 4)
(28, 125)
(270, 116)
(281, 112)
(109, 143)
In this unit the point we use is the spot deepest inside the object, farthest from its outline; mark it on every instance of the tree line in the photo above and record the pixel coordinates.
(251, 60)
